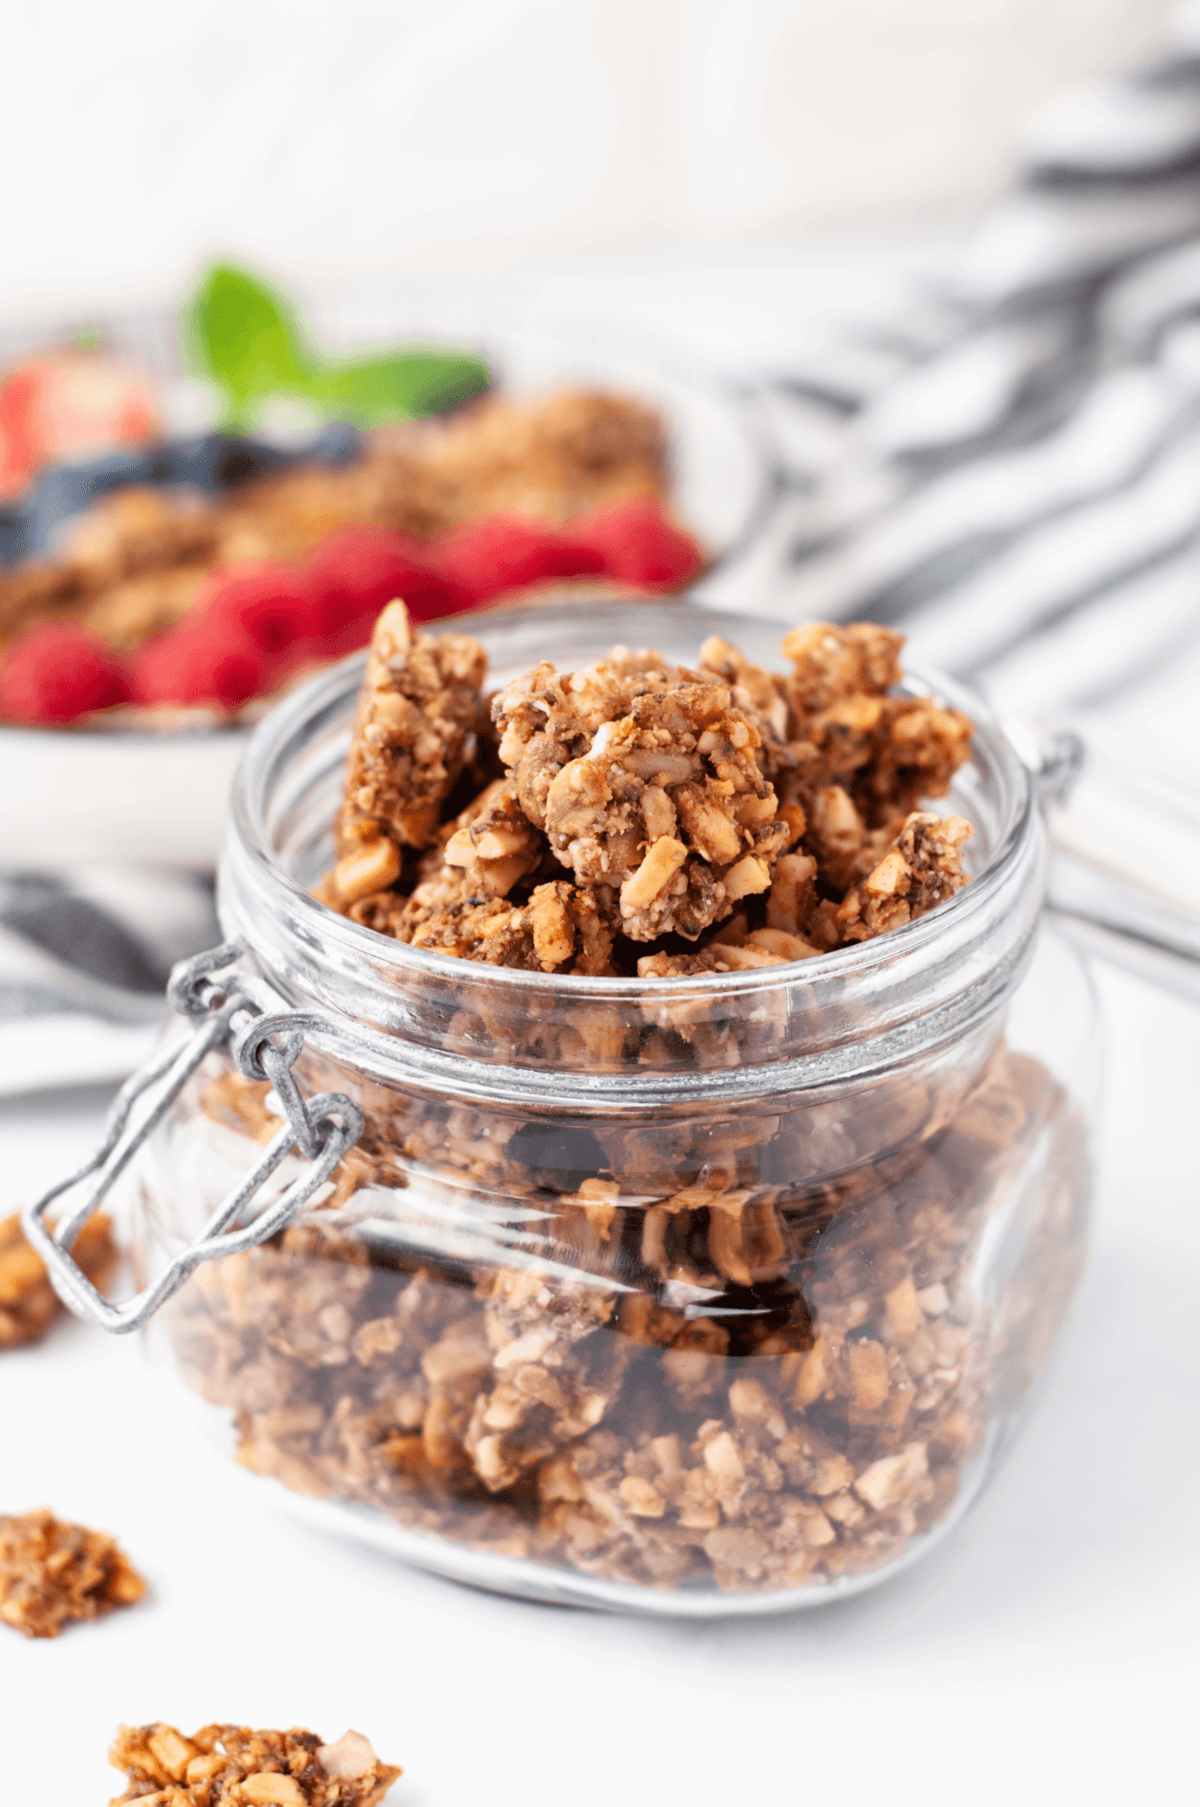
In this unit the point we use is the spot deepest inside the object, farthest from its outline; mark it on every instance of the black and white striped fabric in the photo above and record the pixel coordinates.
(1012, 473)
(84, 957)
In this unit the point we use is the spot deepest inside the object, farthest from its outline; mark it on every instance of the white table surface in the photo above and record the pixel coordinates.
(1047, 1653)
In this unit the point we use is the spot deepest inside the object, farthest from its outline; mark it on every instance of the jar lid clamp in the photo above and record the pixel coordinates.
(265, 1047)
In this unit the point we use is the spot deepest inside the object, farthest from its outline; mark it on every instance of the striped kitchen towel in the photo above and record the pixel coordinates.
(1011, 472)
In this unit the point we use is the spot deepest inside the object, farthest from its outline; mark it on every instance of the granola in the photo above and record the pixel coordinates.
(667, 1355)
(417, 715)
(559, 929)
(28, 1302)
(233, 1766)
(920, 870)
(51, 1572)
(678, 801)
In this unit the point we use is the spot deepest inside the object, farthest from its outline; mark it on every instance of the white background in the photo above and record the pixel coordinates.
(138, 137)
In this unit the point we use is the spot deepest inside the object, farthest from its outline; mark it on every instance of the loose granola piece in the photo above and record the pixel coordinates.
(139, 529)
(28, 1302)
(921, 869)
(418, 710)
(233, 1766)
(51, 1572)
(885, 752)
(539, 1392)
(916, 757)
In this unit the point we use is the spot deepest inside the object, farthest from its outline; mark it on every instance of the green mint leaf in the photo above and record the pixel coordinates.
(397, 385)
(245, 336)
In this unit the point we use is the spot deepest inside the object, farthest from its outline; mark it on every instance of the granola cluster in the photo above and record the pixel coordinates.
(763, 818)
(418, 712)
(233, 1766)
(135, 562)
(28, 1302)
(51, 1572)
(665, 1353)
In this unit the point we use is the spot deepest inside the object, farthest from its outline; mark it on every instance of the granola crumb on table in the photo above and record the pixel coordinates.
(51, 1572)
(234, 1766)
(28, 1302)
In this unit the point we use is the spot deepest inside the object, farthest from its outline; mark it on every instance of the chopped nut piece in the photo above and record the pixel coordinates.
(233, 1766)
(793, 894)
(921, 869)
(893, 1477)
(51, 1572)
(28, 1302)
(662, 861)
(372, 867)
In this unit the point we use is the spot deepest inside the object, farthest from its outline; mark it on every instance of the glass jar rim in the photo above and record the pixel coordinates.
(1013, 864)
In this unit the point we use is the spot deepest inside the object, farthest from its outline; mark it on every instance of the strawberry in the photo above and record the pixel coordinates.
(507, 552)
(639, 544)
(57, 672)
(357, 570)
(205, 662)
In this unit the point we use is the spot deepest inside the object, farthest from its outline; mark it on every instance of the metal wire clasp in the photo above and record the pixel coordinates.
(265, 1047)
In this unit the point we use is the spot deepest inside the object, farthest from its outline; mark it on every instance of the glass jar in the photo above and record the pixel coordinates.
(684, 1296)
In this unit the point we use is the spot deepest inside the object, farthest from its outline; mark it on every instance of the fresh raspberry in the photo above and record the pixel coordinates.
(358, 570)
(58, 672)
(202, 663)
(507, 552)
(640, 545)
(275, 604)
